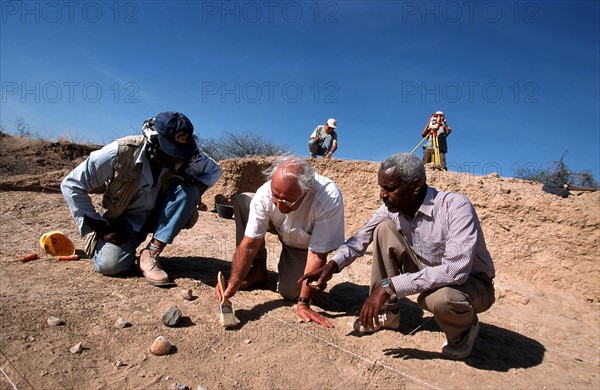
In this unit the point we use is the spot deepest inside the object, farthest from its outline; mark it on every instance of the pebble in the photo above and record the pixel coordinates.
(30, 338)
(188, 294)
(172, 316)
(77, 348)
(122, 323)
(120, 363)
(180, 386)
(160, 346)
(54, 321)
(247, 341)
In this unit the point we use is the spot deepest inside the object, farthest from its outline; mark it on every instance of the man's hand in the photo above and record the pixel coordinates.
(328, 155)
(113, 233)
(369, 314)
(307, 314)
(318, 279)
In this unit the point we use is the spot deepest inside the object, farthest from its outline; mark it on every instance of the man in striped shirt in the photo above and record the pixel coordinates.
(425, 242)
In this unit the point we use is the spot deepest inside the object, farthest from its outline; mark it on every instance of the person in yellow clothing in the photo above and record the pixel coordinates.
(437, 127)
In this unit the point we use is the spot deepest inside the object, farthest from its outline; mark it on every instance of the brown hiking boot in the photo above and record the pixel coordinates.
(151, 269)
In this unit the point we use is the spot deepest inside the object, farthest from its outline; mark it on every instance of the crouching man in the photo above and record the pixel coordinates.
(151, 183)
(426, 242)
(305, 210)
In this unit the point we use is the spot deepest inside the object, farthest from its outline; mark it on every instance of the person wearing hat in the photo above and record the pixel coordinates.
(151, 183)
(436, 127)
(323, 140)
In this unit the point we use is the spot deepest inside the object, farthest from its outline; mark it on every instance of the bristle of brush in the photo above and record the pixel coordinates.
(227, 316)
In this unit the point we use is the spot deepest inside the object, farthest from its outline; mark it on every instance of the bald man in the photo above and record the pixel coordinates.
(305, 210)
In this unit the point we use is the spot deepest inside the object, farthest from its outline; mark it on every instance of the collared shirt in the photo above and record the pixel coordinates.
(320, 134)
(94, 172)
(317, 224)
(446, 235)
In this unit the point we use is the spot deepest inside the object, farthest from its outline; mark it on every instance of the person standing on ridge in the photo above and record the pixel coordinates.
(436, 127)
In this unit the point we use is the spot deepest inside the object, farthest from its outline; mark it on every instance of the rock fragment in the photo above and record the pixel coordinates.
(172, 316)
(54, 321)
(76, 349)
(161, 346)
(187, 294)
(122, 323)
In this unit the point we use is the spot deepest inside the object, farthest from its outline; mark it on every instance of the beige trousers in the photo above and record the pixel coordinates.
(453, 307)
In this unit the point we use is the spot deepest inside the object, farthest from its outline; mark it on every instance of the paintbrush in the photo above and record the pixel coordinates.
(227, 317)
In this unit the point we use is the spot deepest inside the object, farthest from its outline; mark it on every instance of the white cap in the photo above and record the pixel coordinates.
(331, 123)
(439, 113)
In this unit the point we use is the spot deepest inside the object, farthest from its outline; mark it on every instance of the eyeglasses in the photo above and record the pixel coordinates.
(286, 203)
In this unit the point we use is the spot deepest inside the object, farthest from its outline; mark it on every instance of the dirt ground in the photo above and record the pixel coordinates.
(542, 332)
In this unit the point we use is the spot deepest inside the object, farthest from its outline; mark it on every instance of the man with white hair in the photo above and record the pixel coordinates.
(426, 242)
(323, 140)
(306, 211)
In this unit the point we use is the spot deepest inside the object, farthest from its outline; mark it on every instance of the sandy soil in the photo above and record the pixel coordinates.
(543, 331)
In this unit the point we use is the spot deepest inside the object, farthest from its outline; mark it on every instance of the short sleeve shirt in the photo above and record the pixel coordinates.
(317, 225)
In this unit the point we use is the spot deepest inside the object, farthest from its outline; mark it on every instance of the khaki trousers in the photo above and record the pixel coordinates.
(453, 307)
(292, 261)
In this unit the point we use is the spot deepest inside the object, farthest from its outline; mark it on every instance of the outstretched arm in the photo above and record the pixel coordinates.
(242, 261)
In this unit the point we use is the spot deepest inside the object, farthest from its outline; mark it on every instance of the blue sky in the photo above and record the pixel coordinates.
(518, 81)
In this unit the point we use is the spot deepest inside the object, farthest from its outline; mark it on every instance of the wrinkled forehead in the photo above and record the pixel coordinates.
(387, 176)
(284, 183)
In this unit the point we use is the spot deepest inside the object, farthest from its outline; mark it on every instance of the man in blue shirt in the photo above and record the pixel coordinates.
(150, 183)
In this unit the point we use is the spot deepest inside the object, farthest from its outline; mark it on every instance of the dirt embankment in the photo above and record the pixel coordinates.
(533, 235)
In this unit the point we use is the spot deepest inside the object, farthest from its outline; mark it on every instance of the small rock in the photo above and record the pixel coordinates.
(247, 341)
(120, 363)
(172, 316)
(142, 375)
(180, 386)
(187, 294)
(77, 348)
(30, 338)
(122, 323)
(160, 346)
(54, 321)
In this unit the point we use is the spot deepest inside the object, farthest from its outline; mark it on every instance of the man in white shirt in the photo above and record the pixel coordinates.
(306, 211)
(323, 140)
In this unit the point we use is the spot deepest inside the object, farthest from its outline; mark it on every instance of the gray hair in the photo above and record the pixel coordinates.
(408, 166)
(298, 167)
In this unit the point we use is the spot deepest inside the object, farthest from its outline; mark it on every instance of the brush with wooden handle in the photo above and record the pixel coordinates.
(227, 316)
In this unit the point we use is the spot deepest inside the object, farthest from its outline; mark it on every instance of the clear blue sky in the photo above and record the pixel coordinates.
(518, 81)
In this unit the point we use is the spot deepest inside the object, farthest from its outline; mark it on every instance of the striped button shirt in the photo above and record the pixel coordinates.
(446, 235)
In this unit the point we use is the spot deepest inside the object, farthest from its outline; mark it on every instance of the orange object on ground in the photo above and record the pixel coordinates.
(56, 243)
(71, 257)
(29, 257)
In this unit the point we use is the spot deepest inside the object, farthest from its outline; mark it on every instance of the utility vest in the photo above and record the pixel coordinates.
(120, 189)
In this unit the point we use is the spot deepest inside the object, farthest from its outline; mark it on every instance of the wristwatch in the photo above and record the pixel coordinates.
(388, 286)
